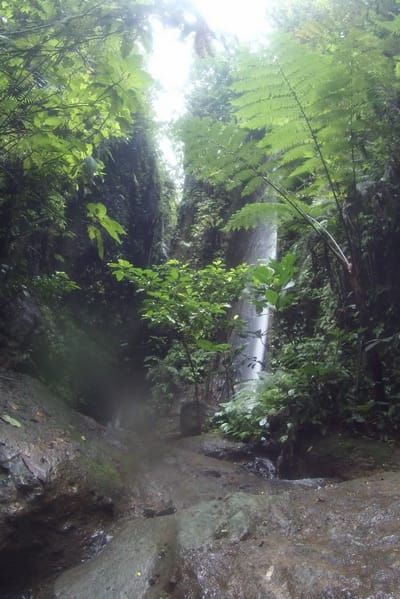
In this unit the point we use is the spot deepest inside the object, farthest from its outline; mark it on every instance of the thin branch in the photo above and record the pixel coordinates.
(315, 225)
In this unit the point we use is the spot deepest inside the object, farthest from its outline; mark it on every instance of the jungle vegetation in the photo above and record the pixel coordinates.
(100, 265)
(81, 180)
(309, 139)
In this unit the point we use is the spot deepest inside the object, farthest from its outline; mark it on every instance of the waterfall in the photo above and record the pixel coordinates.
(261, 248)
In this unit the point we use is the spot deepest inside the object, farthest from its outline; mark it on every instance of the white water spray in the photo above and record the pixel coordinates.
(251, 361)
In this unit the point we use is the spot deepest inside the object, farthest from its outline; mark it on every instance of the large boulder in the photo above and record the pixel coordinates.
(20, 318)
(60, 482)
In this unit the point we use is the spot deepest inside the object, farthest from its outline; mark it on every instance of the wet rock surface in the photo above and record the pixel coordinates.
(342, 456)
(341, 541)
(60, 484)
(235, 535)
(184, 518)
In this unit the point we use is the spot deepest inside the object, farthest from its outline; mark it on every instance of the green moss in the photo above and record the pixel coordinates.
(103, 473)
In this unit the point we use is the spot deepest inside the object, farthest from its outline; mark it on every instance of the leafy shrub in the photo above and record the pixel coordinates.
(192, 308)
(311, 389)
(51, 288)
(255, 405)
(169, 373)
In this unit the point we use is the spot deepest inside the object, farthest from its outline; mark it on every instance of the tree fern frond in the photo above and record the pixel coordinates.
(231, 158)
(244, 175)
(286, 137)
(271, 110)
(313, 113)
(304, 151)
(252, 215)
(321, 206)
(307, 167)
(253, 185)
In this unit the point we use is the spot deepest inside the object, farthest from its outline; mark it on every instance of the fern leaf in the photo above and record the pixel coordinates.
(252, 215)
(303, 151)
(252, 186)
(306, 168)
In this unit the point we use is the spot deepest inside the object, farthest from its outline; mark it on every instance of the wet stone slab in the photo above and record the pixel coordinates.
(333, 542)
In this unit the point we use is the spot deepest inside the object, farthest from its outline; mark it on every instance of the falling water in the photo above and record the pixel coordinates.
(261, 248)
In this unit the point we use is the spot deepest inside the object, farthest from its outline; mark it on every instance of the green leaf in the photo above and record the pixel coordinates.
(366, 407)
(263, 274)
(96, 236)
(98, 210)
(212, 347)
(272, 297)
(11, 420)
(98, 213)
(119, 275)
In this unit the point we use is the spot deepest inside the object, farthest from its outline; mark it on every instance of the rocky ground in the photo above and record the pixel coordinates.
(62, 483)
(192, 518)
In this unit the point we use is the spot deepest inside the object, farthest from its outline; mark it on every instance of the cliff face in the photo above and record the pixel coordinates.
(65, 332)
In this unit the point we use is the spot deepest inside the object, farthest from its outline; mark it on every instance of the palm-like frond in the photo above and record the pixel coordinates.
(252, 215)
(313, 106)
(307, 121)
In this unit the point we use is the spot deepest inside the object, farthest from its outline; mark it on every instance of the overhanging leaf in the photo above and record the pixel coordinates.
(252, 215)
(212, 347)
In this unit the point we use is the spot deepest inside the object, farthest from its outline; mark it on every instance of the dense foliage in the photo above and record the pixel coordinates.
(301, 132)
(311, 143)
(190, 309)
(80, 180)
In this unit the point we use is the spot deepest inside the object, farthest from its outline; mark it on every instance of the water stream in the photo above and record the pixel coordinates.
(251, 361)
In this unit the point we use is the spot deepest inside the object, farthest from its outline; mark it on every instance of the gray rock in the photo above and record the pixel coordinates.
(190, 418)
(59, 481)
(308, 539)
(20, 318)
(334, 542)
(139, 562)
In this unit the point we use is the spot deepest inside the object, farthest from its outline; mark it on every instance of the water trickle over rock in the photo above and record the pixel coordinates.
(261, 247)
